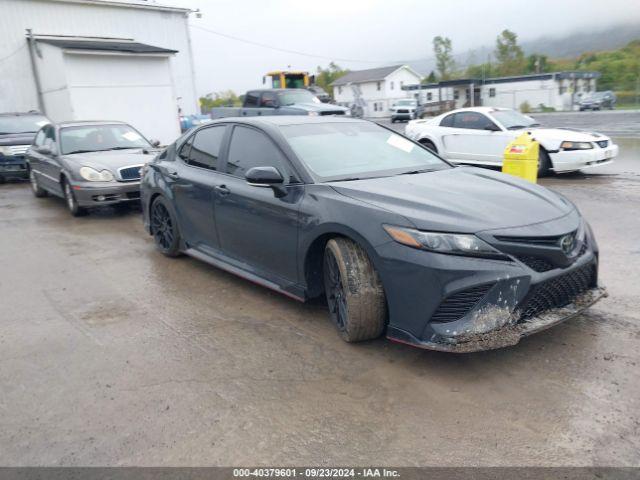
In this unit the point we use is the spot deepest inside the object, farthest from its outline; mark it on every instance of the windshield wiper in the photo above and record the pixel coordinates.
(413, 172)
(119, 148)
(347, 179)
(79, 151)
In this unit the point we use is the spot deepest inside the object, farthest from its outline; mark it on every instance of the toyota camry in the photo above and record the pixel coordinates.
(397, 240)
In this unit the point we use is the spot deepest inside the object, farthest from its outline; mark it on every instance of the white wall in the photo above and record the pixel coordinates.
(514, 94)
(168, 29)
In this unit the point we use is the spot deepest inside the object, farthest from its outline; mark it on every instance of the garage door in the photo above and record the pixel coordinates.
(131, 88)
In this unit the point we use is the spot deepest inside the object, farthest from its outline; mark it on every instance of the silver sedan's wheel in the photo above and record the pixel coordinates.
(70, 198)
(35, 186)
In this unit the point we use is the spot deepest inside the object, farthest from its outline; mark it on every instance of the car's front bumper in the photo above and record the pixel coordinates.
(570, 161)
(95, 194)
(13, 167)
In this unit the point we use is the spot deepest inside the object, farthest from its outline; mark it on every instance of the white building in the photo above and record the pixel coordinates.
(557, 90)
(379, 87)
(98, 59)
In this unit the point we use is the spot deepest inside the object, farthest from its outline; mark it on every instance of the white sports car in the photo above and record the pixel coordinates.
(480, 135)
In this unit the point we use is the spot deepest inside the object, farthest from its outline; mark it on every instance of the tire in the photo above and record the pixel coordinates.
(37, 190)
(2, 180)
(393, 120)
(429, 144)
(355, 296)
(544, 163)
(164, 228)
(70, 199)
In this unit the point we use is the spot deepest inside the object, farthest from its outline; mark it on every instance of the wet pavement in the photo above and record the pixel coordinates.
(111, 354)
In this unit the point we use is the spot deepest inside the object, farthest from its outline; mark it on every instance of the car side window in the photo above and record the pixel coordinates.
(250, 148)
(251, 100)
(472, 121)
(205, 147)
(185, 149)
(447, 121)
(50, 138)
(269, 99)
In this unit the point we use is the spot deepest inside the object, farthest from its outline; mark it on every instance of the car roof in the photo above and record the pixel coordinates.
(280, 120)
(85, 123)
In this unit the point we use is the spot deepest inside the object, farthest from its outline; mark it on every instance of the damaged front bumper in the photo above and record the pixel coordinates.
(508, 334)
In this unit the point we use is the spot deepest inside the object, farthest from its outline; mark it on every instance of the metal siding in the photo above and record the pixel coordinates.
(159, 28)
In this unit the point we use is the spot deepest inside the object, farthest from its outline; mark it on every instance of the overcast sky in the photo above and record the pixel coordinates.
(362, 34)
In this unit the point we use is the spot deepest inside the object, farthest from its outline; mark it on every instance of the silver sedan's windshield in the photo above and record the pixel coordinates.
(97, 138)
(347, 151)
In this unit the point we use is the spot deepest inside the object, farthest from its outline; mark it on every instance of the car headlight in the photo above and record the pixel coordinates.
(313, 114)
(576, 145)
(92, 175)
(450, 243)
(5, 151)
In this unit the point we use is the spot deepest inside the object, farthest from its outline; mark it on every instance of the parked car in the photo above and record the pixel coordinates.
(397, 239)
(479, 135)
(189, 121)
(403, 110)
(17, 131)
(319, 92)
(279, 101)
(598, 101)
(89, 164)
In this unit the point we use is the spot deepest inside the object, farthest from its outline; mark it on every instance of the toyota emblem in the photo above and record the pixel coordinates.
(567, 243)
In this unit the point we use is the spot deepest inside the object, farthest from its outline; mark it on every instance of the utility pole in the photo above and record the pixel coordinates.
(34, 68)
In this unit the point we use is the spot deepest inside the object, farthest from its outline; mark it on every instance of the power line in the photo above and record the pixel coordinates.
(13, 53)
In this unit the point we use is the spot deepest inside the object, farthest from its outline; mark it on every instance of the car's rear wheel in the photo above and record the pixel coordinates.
(544, 163)
(71, 201)
(38, 191)
(354, 292)
(164, 228)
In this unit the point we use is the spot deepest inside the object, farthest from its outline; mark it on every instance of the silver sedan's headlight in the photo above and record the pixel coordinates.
(576, 145)
(92, 175)
(451, 243)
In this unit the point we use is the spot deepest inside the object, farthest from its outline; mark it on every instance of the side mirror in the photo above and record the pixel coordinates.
(264, 177)
(44, 150)
(154, 142)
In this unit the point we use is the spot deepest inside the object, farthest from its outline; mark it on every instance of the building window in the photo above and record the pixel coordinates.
(456, 94)
(467, 94)
(375, 107)
(340, 90)
(429, 96)
(562, 89)
(391, 85)
(492, 92)
(378, 86)
(401, 84)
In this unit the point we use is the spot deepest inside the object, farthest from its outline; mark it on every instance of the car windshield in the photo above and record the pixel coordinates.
(297, 96)
(349, 151)
(512, 120)
(98, 138)
(21, 123)
(407, 103)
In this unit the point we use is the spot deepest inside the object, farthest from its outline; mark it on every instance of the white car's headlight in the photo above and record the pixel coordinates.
(313, 114)
(451, 243)
(5, 151)
(576, 145)
(92, 175)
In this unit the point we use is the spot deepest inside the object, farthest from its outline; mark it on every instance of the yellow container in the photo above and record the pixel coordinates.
(521, 158)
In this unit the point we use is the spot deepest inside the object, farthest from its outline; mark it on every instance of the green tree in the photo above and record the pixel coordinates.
(509, 54)
(431, 78)
(325, 76)
(226, 98)
(537, 63)
(445, 63)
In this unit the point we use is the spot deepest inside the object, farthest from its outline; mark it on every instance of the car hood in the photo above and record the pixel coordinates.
(17, 139)
(319, 107)
(111, 160)
(462, 199)
(562, 134)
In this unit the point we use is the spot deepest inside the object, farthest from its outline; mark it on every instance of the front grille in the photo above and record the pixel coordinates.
(403, 111)
(554, 240)
(459, 304)
(603, 143)
(535, 263)
(18, 149)
(129, 174)
(337, 112)
(558, 292)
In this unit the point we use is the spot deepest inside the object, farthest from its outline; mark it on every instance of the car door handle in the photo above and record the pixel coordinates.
(222, 190)
(173, 174)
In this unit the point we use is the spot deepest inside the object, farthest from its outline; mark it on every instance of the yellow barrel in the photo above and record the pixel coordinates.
(521, 158)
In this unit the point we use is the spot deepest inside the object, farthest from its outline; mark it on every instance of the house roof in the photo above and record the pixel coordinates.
(143, 4)
(370, 75)
(104, 45)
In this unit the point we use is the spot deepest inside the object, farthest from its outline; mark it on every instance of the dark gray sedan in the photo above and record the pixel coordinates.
(89, 164)
(397, 239)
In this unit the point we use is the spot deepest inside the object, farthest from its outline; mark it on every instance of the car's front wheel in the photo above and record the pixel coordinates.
(544, 163)
(354, 292)
(38, 191)
(164, 228)
(71, 201)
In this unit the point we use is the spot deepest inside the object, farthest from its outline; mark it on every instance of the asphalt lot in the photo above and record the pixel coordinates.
(111, 354)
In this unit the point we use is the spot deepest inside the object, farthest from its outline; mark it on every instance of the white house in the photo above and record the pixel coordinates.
(558, 90)
(98, 59)
(379, 87)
